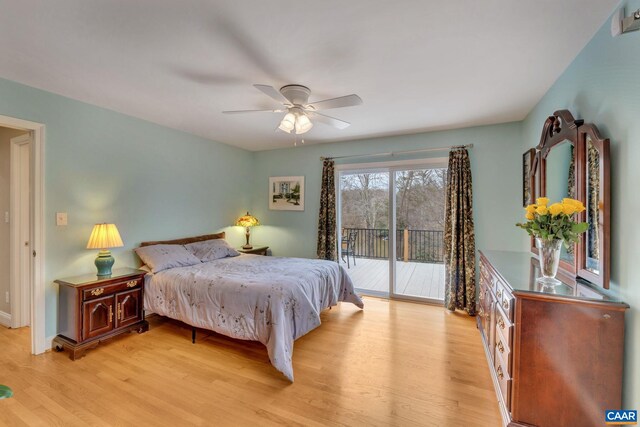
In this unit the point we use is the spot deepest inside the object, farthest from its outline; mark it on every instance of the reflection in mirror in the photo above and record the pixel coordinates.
(561, 180)
(593, 205)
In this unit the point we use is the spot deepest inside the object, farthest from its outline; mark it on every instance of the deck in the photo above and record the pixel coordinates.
(413, 278)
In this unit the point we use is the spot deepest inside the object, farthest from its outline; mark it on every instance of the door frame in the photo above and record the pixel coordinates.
(20, 295)
(390, 167)
(37, 285)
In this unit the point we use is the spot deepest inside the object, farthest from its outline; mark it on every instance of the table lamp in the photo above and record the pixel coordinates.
(104, 237)
(247, 221)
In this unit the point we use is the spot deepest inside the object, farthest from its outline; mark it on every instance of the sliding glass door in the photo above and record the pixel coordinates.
(391, 219)
(364, 228)
(419, 216)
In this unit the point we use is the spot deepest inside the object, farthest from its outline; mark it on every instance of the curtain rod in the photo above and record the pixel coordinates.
(395, 153)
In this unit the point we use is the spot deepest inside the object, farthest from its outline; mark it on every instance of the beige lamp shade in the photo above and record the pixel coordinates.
(104, 236)
(247, 221)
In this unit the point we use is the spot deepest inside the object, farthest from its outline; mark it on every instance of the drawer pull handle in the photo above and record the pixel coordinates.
(110, 314)
(500, 322)
(500, 373)
(132, 283)
(96, 292)
(505, 304)
(500, 347)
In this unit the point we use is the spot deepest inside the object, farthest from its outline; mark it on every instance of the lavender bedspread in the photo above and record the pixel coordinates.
(268, 299)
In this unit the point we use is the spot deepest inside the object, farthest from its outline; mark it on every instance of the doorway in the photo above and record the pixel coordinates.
(20, 258)
(23, 217)
(391, 222)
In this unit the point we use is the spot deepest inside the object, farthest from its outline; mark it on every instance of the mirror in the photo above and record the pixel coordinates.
(595, 250)
(573, 160)
(593, 205)
(560, 181)
(557, 172)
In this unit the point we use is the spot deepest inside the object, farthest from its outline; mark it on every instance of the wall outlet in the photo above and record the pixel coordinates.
(61, 218)
(6, 217)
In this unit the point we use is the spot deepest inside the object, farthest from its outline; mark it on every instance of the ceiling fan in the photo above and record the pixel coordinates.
(299, 112)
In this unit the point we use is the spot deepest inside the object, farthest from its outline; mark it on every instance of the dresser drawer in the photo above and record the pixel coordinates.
(504, 326)
(503, 349)
(505, 300)
(100, 291)
(504, 380)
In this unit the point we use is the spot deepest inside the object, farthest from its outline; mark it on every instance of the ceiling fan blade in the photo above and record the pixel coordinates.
(327, 120)
(253, 111)
(271, 92)
(342, 101)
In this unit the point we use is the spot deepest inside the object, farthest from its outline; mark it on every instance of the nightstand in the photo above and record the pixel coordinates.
(92, 309)
(256, 250)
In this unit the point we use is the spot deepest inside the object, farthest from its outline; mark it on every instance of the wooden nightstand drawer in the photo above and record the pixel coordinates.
(256, 250)
(110, 289)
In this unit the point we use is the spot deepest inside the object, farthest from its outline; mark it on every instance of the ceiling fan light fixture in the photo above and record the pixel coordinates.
(288, 123)
(303, 124)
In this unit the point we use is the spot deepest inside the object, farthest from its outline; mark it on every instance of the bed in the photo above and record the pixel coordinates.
(272, 300)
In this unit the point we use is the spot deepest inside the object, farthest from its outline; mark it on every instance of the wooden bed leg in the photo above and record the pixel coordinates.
(193, 335)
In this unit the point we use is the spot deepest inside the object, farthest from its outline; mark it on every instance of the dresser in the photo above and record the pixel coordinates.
(93, 309)
(555, 355)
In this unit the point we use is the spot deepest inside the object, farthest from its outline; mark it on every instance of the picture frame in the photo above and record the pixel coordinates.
(286, 193)
(528, 177)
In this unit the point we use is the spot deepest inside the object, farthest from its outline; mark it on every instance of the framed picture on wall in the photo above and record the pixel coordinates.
(286, 193)
(527, 177)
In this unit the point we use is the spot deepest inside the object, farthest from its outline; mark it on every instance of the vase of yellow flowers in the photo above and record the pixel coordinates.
(551, 225)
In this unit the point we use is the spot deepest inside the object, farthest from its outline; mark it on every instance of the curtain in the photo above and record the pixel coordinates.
(327, 219)
(459, 236)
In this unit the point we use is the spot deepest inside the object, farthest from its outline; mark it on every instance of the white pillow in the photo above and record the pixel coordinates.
(163, 257)
(211, 250)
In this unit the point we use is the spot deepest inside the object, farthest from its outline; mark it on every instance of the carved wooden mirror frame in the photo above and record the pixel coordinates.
(602, 207)
(558, 128)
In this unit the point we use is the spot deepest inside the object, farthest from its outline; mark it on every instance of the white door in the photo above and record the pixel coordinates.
(21, 238)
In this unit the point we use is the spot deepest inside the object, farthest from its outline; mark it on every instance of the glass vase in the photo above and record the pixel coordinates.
(549, 254)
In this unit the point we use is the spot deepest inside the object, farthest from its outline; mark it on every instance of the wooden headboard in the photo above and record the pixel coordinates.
(185, 240)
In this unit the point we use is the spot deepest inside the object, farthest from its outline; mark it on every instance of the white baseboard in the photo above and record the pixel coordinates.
(5, 319)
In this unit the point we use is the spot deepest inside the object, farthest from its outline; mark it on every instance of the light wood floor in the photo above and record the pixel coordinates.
(393, 364)
(418, 279)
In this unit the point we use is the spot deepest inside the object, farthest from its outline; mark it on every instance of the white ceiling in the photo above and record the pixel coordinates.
(418, 65)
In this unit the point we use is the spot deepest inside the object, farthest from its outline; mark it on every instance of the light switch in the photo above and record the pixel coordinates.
(6, 217)
(61, 218)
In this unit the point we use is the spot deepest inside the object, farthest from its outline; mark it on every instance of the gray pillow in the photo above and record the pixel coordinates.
(210, 250)
(163, 257)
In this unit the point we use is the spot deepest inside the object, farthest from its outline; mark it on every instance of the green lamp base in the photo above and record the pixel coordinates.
(5, 392)
(104, 262)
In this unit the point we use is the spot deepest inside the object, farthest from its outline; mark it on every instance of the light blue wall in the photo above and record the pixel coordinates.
(602, 86)
(496, 167)
(102, 166)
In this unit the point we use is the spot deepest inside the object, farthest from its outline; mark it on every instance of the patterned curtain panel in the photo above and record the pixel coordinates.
(459, 236)
(327, 248)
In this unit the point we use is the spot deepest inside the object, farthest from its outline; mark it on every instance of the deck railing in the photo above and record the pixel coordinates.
(411, 245)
